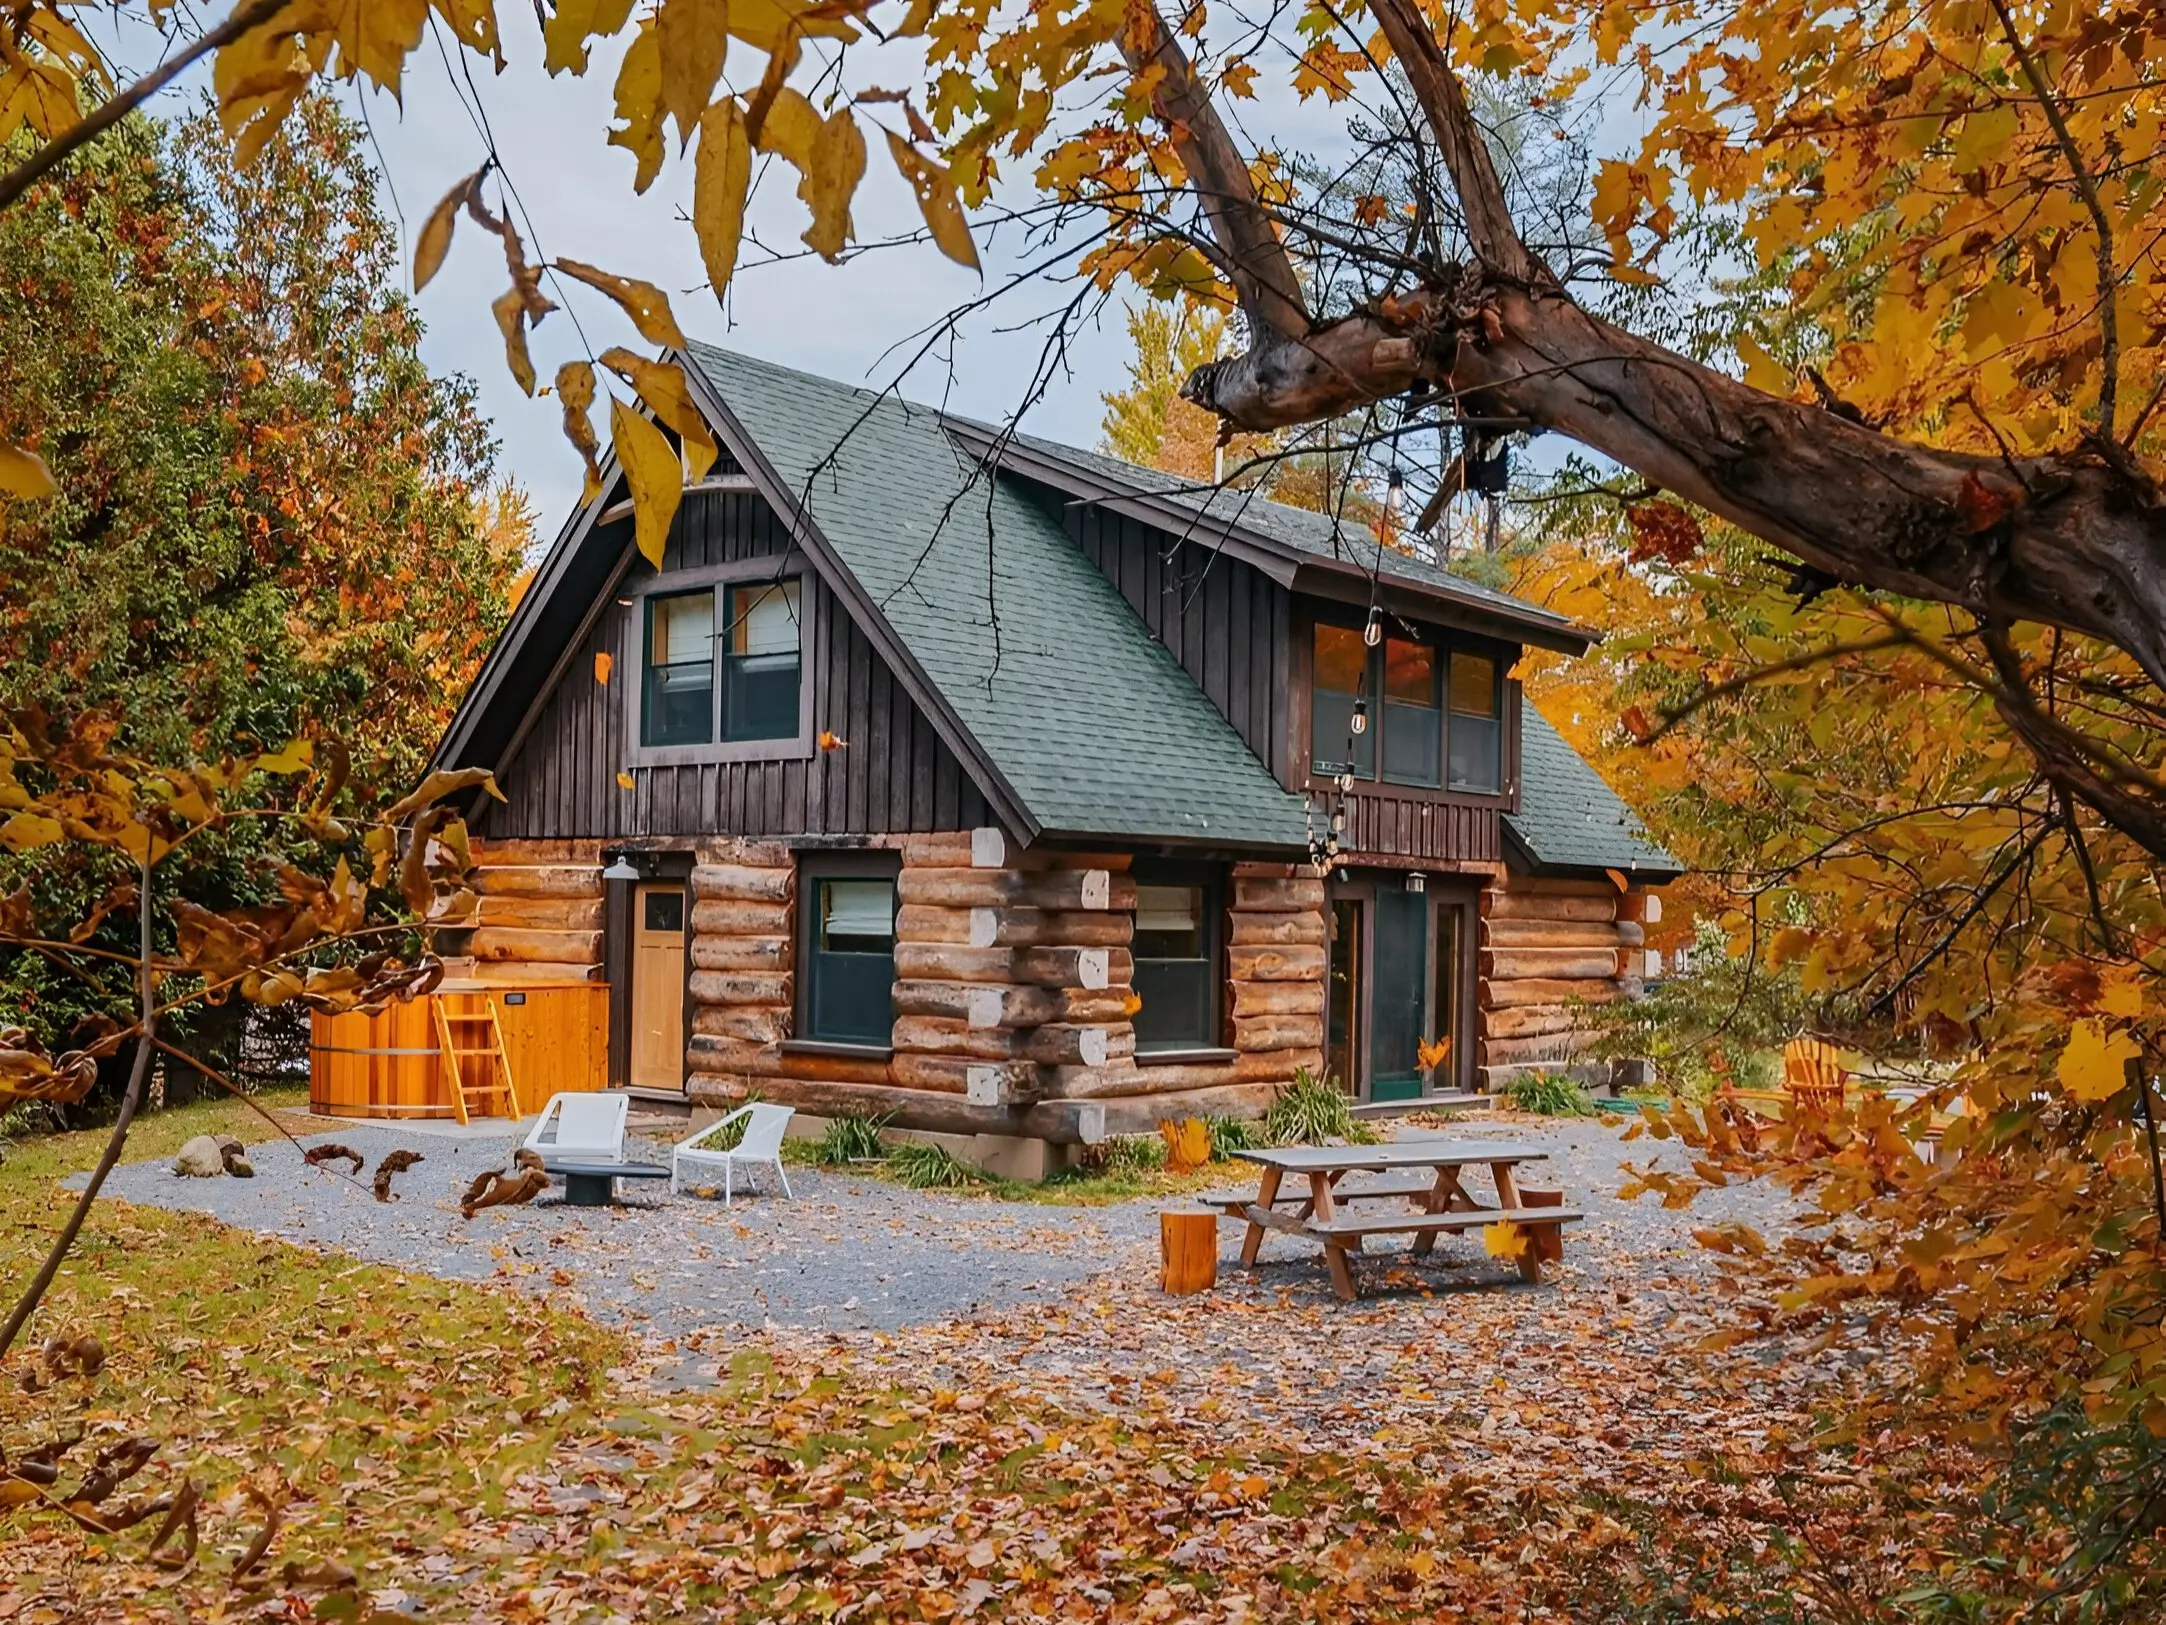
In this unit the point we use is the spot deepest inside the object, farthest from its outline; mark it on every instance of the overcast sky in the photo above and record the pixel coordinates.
(860, 321)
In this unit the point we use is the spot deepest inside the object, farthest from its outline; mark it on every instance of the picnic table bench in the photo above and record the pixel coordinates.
(1426, 1171)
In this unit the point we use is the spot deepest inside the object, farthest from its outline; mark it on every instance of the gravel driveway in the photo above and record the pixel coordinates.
(854, 1254)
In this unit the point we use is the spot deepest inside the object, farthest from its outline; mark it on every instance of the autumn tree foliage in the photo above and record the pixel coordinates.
(270, 517)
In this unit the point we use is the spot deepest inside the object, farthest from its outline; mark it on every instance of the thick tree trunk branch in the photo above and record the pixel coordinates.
(1482, 203)
(1256, 261)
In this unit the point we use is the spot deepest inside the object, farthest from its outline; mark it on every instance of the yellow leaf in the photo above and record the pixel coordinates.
(2094, 1063)
(574, 22)
(575, 390)
(694, 39)
(510, 311)
(829, 157)
(769, 24)
(654, 473)
(1762, 371)
(1505, 1240)
(1984, 136)
(28, 829)
(639, 104)
(624, 779)
(937, 201)
(720, 180)
(474, 24)
(604, 663)
(258, 77)
(668, 394)
(2121, 994)
(435, 240)
(24, 474)
(647, 305)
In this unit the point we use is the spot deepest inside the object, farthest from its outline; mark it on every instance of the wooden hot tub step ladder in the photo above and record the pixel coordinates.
(472, 1043)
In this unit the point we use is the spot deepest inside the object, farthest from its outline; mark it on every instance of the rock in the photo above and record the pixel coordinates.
(235, 1156)
(201, 1158)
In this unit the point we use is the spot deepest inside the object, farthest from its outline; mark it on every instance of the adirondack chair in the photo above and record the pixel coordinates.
(588, 1128)
(1813, 1075)
(760, 1147)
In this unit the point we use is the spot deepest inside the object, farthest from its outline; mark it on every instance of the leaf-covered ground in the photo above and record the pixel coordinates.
(470, 1452)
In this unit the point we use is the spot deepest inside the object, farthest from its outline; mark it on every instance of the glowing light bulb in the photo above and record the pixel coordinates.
(1373, 633)
(1346, 782)
(1360, 722)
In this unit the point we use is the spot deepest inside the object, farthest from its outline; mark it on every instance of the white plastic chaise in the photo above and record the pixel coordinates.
(589, 1128)
(760, 1147)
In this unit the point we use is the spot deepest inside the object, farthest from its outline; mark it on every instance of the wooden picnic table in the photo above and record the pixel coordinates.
(1429, 1177)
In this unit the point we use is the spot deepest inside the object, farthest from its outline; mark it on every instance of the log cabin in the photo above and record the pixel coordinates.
(1011, 790)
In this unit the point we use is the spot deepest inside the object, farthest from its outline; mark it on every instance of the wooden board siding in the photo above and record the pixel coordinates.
(1408, 827)
(893, 774)
(1226, 622)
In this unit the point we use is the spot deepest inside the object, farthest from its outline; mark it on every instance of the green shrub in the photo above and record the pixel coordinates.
(926, 1167)
(1311, 1110)
(1132, 1154)
(1231, 1134)
(1549, 1094)
(851, 1138)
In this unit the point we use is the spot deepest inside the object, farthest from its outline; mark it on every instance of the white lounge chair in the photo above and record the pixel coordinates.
(760, 1147)
(588, 1128)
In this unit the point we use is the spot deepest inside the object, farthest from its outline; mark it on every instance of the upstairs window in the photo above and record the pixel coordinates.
(680, 670)
(1340, 683)
(760, 663)
(722, 664)
(1477, 724)
(1176, 955)
(849, 961)
(1413, 718)
(1404, 712)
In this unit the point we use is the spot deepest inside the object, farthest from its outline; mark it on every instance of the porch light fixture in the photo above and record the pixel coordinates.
(1417, 881)
(621, 867)
(1360, 722)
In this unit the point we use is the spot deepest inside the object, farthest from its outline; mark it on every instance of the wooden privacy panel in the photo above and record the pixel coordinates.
(556, 1041)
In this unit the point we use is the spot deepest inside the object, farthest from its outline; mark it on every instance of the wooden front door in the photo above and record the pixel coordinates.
(658, 955)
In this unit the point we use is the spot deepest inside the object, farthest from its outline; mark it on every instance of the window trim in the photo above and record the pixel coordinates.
(1301, 714)
(1214, 879)
(813, 867)
(718, 577)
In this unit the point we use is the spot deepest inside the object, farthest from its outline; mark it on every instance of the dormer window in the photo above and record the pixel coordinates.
(1405, 712)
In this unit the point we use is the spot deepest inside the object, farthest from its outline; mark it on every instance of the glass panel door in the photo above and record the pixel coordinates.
(1342, 1014)
(1398, 993)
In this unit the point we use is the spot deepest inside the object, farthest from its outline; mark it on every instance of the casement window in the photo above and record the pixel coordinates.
(1176, 954)
(1406, 712)
(1477, 723)
(723, 666)
(846, 975)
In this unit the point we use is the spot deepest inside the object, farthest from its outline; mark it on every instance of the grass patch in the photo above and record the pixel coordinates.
(852, 1138)
(399, 1401)
(1312, 1110)
(1549, 1094)
(924, 1166)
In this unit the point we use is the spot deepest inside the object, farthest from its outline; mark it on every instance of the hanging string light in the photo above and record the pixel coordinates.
(1359, 724)
(1373, 633)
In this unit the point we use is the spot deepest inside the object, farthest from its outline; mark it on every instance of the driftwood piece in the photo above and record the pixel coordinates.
(495, 1189)
(317, 1155)
(396, 1163)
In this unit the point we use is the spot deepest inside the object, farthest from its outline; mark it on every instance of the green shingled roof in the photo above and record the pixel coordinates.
(1300, 530)
(1569, 818)
(1091, 722)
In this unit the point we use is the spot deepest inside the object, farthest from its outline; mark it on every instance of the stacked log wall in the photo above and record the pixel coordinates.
(539, 918)
(1552, 952)
(1014, 998)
